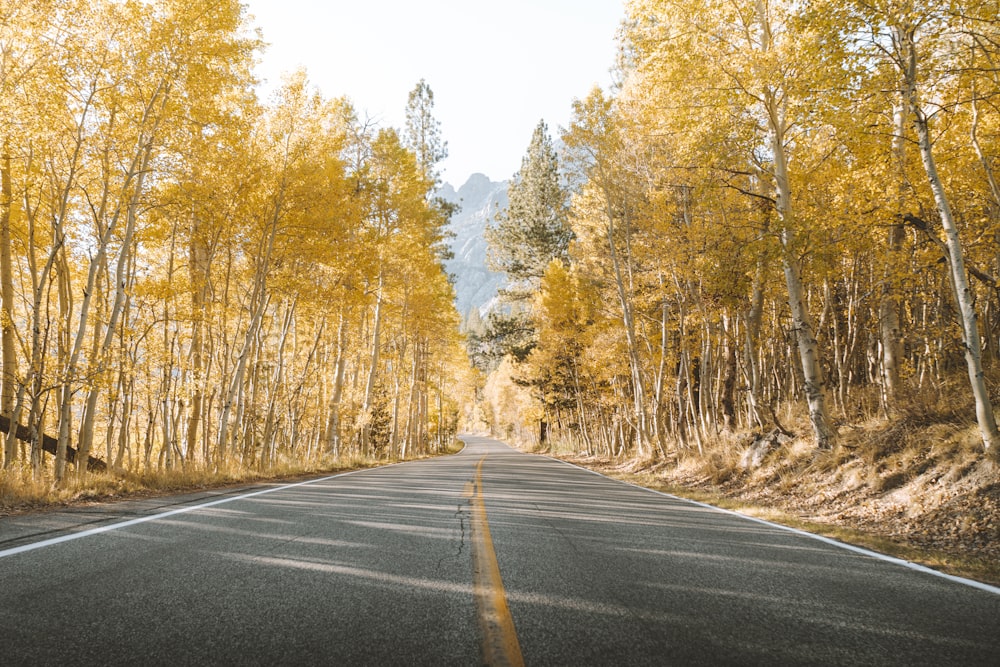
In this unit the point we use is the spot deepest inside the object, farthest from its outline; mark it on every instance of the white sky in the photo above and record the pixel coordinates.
(496, 68)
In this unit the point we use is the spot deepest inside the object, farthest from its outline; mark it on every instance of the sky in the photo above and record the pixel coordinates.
(496, 68)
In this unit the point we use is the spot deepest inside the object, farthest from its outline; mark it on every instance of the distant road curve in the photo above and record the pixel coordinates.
(417, 563)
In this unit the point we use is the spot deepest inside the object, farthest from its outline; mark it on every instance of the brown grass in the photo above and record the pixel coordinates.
(21, 492)
(916, 488)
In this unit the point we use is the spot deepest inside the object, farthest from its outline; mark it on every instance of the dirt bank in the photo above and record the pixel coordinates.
(927, 494)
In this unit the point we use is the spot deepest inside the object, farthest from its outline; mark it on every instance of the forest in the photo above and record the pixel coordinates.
(194, 278)
(785, 217)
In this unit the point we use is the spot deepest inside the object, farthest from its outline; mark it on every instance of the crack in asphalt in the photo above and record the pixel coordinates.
(460, 515)
(555, 527)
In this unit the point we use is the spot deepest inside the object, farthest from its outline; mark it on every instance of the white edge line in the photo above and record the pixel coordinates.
(821, 538)
(182, 510)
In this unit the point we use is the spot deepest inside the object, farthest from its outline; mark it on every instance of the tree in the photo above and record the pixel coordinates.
(755, 85)
(565, 308)
(422, 134)
(170, 49)
(21, 59)
(910, 55)
(608, 205)
(533, 230)
(530, 234)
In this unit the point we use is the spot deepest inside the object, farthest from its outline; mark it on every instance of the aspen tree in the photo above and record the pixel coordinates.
(24, 61)
(403, 223)
(189, 260)
(907, 43)
(766, 64)
(97, 78)
(164, 47)
(564, 310)
(597, 140)
(9, 353)
(287, 152)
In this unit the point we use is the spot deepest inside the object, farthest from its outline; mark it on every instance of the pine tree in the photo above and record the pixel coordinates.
(529, 236)
(533, 230)
(422, 136)
(423, 131)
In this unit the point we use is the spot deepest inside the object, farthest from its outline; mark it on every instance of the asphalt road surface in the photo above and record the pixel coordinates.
(485, 556)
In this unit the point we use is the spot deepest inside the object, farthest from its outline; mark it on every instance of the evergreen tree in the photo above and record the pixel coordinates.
(423, 131)
(529, 236)
(422, 136)
(533, 230)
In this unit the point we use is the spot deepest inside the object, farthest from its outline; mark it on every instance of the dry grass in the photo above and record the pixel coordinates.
(21, 492)
(919, 488)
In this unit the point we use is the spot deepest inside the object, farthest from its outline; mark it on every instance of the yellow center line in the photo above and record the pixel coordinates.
(500, 645)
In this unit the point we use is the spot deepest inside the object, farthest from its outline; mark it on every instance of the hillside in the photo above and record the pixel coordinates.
(480, 199)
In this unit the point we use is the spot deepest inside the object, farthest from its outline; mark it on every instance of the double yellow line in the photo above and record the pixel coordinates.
(500, 645)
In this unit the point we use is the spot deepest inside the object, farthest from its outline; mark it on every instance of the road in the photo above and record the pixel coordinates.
(489, 555)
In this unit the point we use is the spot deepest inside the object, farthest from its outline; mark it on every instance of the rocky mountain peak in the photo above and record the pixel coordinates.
(479, 200)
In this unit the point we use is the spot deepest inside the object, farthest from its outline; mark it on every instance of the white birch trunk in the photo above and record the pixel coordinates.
(9, 379)
(333, 423)
(366, 407)
(889, 326)
(906, 39)
(808, 347)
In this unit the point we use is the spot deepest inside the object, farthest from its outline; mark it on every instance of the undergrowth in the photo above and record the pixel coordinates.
(918, 486)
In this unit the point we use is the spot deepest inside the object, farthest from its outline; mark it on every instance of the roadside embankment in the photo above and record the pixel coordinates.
(20, 493)
(925, 493)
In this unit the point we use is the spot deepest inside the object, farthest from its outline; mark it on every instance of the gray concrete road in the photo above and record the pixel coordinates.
(388, 567)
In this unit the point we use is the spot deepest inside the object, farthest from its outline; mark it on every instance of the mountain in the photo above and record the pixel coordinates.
(479, 200)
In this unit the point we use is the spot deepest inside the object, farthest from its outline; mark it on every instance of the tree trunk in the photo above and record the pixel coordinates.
(333, 423)
(656, 415)
(728, 397)
(122, 282)
(906, 38)
(9, 361)
(64, 352)
(366, 407)
(751, 356)
(889, 326)
(198, 268)
(635, 363)
(812, 373)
